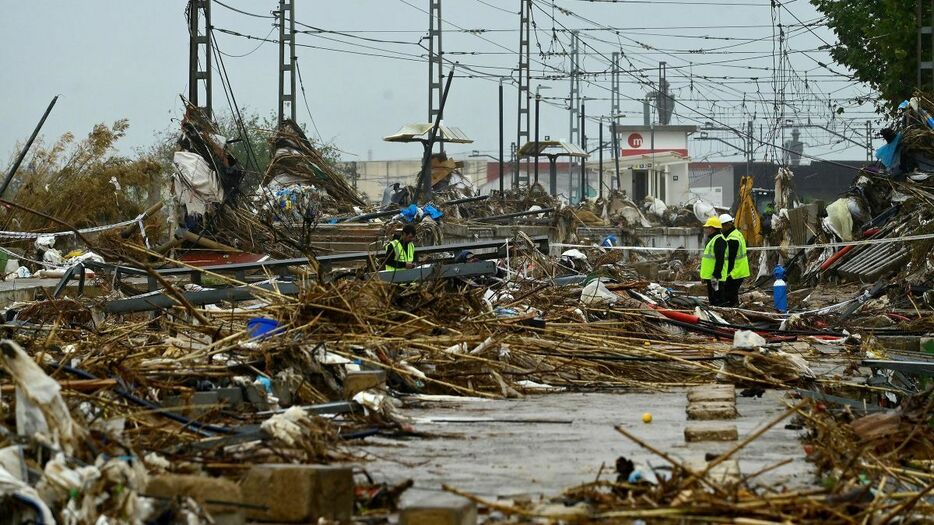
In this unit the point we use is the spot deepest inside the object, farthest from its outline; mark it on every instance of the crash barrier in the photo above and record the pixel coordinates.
(841, 244)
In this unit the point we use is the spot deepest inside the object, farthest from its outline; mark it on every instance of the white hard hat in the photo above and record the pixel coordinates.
(725, 218)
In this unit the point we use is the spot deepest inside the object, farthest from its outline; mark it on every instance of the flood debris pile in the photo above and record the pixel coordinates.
(880, 228)
(97, 408)
(299, 189)
(859, 481)
(299, 174)
(99, 414)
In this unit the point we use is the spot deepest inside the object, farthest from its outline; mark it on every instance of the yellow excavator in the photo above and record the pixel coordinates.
(747, 218)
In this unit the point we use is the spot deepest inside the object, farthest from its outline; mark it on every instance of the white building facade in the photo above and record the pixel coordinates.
(654, 161)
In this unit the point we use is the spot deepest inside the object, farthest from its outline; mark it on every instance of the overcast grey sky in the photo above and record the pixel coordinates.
(111, 60)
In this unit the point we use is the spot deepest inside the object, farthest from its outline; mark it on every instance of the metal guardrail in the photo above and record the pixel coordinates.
(279, 266)
(160, 300)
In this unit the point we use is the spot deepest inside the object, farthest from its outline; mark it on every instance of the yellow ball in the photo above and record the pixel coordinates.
(647, 417)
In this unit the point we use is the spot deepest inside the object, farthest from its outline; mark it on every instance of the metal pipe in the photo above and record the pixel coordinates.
(465, 199)
(516, 214)
(22, 154)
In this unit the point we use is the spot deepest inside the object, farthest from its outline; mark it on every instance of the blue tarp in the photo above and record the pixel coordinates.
(409, 213)
(432, 212)
(888, 154)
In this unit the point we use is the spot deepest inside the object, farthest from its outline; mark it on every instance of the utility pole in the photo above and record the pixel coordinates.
(925, 16)
(538, 103)
(199, 44)
(287, 59)
(502, 174)
(868, 140)
(435, 62)
(583, 182)
(749, 146)
(619, 181)
(575, 95)
(522, 127)
(600, 158)
(615, 110)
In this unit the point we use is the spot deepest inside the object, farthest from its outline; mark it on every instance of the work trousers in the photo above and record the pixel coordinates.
(730, 291)
(715, 296)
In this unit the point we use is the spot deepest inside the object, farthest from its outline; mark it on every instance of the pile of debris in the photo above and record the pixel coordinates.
(882, 228)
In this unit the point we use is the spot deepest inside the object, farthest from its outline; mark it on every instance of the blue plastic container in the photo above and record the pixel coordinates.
(261, 326)
(780, 289)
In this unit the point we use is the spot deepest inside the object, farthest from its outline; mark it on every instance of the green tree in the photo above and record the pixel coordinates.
(878, 42)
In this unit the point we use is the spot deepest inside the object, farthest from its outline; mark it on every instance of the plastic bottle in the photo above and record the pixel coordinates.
(780, 289)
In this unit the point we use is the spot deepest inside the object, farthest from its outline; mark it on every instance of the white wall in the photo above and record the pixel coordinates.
(373, 176)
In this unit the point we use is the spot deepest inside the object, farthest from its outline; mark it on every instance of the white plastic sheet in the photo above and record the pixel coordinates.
(196, 184)
(596, 293)
(287, 427)
(839, 220)
(747, 339)
(45, 405)
(10, 485)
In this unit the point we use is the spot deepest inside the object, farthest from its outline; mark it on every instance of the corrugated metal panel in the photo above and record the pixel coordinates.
(552, 147)
(420, 131)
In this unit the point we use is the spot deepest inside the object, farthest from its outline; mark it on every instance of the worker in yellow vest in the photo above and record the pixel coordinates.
(400, 251)
(737, 264)
(712, 267)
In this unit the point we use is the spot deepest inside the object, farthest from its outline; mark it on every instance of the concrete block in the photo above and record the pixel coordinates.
(356, 382)
(927, 345)
(712, 393)
(695, 433)
(230, 397)
(711, 410)
(299, 493)
(256, 397)
(220, 497)
(440, 509)
(194, 406)
(204, 402)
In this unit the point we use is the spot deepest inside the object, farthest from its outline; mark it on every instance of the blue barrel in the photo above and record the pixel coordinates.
(780, 289)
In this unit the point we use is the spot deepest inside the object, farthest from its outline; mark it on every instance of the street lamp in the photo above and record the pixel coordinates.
(538, 99)
(602, 145)
(614, 119)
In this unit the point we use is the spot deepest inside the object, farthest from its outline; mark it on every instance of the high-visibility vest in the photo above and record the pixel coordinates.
(709, 260)
(741, 263)
(402, 254)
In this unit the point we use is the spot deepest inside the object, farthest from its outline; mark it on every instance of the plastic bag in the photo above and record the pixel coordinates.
(746, 339)
(595, 293)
